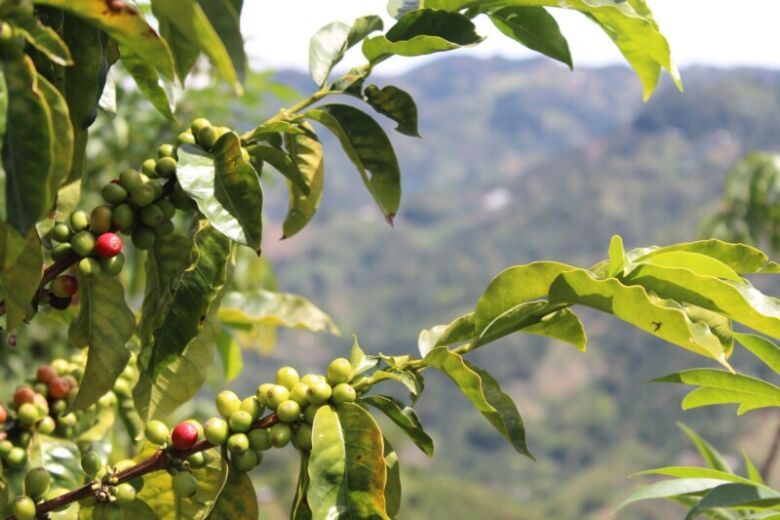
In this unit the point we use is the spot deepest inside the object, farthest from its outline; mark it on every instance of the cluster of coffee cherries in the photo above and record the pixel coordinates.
(39, 406)
(295, 400)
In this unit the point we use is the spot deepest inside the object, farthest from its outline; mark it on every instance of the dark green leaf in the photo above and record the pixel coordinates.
(422, 31)
(22, 272)
(535, 28)
(347, 470)
(369, 149)
(185, 52)
(236, 500)
(44, 39)
(393, 485)
(736, 496)
(404, 417)
(105, 324)
(671, 488)
(194, 295)
(224, 17)
(396, 104)
(306, 152)
(62, 160)
(300, 508)
(188, 18)
(126, 25)
(328, 45)
(157, 91)
(29, 140)
(484, 393)
(282, 162)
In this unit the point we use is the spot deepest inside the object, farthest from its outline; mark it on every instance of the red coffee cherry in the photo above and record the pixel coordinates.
(3, 414)
(45, 374)
(184, 436)
(59, 388)
(23, 394)
(108, 245)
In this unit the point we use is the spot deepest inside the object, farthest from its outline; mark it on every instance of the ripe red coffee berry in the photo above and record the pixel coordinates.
(3, 414)
(108, 245)
(45, 374)
(184, 435)
(59, 388)
(24, 394)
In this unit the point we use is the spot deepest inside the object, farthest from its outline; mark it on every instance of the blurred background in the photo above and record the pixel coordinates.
(520, 160)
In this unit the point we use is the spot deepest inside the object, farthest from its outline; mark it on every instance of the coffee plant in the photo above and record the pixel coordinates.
(196, 207)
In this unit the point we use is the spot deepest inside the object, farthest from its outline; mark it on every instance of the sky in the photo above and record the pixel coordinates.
(720, 33)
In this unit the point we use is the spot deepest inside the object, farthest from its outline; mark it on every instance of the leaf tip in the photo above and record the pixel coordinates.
(390, 218)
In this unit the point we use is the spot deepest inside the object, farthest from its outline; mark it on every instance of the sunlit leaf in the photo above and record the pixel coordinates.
(404, 417)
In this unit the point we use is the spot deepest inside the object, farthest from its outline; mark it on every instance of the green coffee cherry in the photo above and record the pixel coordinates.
(143, 194)
(27, 414)
(114, 193)
(180, 199)
(112, 266)
(91, 463)
(5, 448)
(23, 508)
(83, 243)
(238, 443)
(244, 461)
(17, 457)
(227, 403)
(198, 123)
(299, 394)
(130, 179)
(156, 432)
(185, 485)
(79, 220)
(166, 167)
(125, 494)
(167, 207)
(339, 371)
(303, 437)
(310, 379)
(68, 420)
(206, 137)
(100, 219)
(319, 392)
(259, 439)
(289, 411)
(88, 267)
(185, 138)
(287, 377)
(280, 435)
(143, 237)
(240, 421)
(197, 460)
(152, 215)
(220, 131)
(253, 407)
(262, 393)
(166, 150)
(37, 482)
(60, 232)
(123, 217)
(149, 167)
(276, 395)
(343, 393)
(164, 229)
(60, 251)
(46, 426)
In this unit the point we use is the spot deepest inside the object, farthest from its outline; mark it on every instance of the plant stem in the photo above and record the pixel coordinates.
(160, 460)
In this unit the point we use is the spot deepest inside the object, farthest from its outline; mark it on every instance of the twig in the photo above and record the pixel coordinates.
(771, 456)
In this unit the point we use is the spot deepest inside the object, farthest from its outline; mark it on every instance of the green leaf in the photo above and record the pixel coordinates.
(740, 257)
(396, 104)
(369, 149)
(361, 362)
(712, 456)
(282, 162)
(105, 324)
(43, 38)
(158, 493)
(29, 140)
(663, 318)
(157, 91)
(484, 393)
(752, 471)
(237, 499)
(562, 325)
(225, 19)
(619, 263)
(62, 159)
(306, 152)
(514, 286)
(535, 28)
(185, 52)
(60, 457)
(261, 307)
(719, 387)
(300, 508)
(197, 174)
(422, 31)
(230, 353)
(736, 496)
(738, 300)
(328, 45)
(393, 484)
(347, 469)
(195, 293)
(695, 472)
(126, 25)
(459, 330)
(190, 21)
(762, 348)
(698, 263)
(404, 417)
(671, 488)
(22, 273)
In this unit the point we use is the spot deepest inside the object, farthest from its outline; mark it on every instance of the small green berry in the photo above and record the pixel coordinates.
(143, 194)
(156, 432)
(125, 494)
(320, 392)
(83, 243)
(276, 395)
(37, 482)
(130, 179)
(123, 217)
(344, 393)
(216, 431)
(237, 443)
(143, 237)
(339, 371)
(91, 463)
(303, 437)
(259, 439)
(185, 485)
(61, 232)
(23, 508)
(79, 221)
(240, 421)
(244, 461)
(166, 150)
(112, 266)
(289, 411)
(227, 403)
(114, 193)
(149, 168)
(166, 167)
(280, 434)
(287, 377)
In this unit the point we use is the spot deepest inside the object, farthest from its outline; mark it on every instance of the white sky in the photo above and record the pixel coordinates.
(710, 32)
